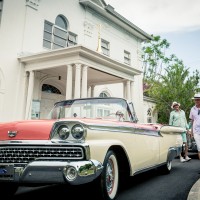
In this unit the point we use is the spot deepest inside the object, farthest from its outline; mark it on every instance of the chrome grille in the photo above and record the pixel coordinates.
(27, 154)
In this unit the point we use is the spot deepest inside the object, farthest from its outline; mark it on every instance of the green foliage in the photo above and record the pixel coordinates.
(166, 79)
(154, 58)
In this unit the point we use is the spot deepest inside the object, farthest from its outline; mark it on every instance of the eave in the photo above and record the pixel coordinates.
(78, 54)
(109, 12)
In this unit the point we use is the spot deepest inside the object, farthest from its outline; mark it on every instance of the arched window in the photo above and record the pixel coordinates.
(57, 35)
(103, 94)
(61, 22)
(50, 89)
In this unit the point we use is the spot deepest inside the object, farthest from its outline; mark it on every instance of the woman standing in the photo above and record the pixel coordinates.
(178, 118)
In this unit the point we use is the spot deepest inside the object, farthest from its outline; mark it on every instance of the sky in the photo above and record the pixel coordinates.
(177, 21)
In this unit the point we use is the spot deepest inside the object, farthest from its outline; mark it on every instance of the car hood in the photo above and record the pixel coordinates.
(26, 130)
(40, 129)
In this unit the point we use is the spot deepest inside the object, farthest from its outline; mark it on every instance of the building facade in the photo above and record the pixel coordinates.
(55, 50)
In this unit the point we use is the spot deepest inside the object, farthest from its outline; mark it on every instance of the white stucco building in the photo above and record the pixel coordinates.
(54, 50)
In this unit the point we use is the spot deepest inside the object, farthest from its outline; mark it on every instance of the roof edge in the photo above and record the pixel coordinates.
(112, 11)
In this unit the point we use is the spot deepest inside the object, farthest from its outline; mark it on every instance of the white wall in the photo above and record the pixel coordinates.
(21, 32)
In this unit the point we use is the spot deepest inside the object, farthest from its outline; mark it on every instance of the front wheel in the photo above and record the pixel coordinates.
(109, 179)
(166, 169)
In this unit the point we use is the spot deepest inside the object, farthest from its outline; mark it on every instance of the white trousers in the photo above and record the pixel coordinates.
(197, 140)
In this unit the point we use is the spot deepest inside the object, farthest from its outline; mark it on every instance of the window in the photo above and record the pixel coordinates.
(50, 89)
(59, 38)
(72, 39)
(127, 57)
(105, 46)
(102, 112)
(149, 115)
(60, 33)
(47, 37)
(56, 35)
(61, 22)
(103, 94)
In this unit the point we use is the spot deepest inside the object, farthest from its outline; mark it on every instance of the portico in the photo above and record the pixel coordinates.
(78, 70)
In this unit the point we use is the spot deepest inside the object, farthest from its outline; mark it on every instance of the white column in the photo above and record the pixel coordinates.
(128, 90)
(89, 91)
(69, 82)
(77, 87)
(84, 82)
(92, 91)
(132, 91)
(29, 95)
(124, 90)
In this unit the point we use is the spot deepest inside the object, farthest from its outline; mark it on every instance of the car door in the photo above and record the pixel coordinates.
(146, 149)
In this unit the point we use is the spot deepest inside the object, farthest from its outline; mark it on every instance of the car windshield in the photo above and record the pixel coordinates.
(106, 108)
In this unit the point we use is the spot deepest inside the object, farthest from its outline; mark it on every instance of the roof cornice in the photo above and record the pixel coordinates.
(109, 12)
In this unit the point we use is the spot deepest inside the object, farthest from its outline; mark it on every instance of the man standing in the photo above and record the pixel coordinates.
(195, 117)
(178, 118)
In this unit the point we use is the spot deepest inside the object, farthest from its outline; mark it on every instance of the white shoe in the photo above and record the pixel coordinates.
(182, 159)
(187, 158)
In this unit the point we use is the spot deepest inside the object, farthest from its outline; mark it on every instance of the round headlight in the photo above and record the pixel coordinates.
(63, 132)
(77, 131)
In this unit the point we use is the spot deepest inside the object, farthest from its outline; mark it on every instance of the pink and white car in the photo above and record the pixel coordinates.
(84, 140)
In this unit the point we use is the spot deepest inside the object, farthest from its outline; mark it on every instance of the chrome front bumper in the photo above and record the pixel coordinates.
(75, 172)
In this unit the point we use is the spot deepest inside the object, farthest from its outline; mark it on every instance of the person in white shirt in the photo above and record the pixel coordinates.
(195, 117)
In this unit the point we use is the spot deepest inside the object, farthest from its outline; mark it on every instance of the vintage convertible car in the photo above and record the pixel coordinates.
(87, 140)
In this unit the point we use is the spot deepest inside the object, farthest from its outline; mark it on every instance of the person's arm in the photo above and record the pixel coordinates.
(186, 123)
(192, 120)
(171, 119)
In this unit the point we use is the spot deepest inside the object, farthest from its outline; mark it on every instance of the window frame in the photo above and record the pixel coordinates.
(48, 32)
(127, 57)
(105, 49)
(56, 36)
(53, 40)
(71, 34)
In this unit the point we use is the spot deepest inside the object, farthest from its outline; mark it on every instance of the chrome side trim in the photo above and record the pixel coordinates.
(40, 142)
(147, 169)
(25, 142)
(124, 129)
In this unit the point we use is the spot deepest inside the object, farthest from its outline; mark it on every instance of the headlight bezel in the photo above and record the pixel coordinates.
(75, 131)
(55, 136)
(60, 131)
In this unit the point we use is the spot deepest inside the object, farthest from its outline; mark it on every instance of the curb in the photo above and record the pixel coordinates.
(194, 193)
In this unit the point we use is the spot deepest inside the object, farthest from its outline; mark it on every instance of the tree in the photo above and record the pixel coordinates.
(167, 79)
(154, 58)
